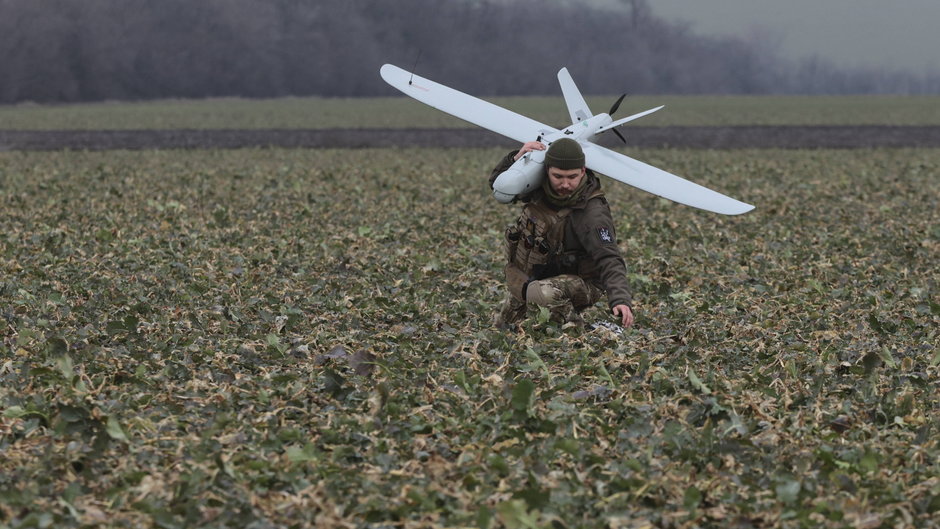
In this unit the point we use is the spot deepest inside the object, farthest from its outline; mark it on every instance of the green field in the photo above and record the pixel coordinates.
(289, 338)
(401, 112)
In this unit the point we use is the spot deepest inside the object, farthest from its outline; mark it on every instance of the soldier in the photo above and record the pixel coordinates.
(562, 252)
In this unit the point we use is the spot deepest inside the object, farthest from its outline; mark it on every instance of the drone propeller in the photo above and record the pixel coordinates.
(616, 105)
(617, 132)
(611, 113)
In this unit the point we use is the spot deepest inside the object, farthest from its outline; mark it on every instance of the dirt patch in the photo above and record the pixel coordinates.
(787, 137)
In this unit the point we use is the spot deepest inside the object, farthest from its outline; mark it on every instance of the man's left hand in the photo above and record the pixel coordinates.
(626, 315)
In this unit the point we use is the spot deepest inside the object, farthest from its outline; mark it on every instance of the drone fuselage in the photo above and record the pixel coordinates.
(585, 129)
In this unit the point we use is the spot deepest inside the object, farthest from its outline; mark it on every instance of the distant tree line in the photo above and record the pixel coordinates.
(92, 50)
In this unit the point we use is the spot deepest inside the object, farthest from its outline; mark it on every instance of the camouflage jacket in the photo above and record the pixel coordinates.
(589, 246)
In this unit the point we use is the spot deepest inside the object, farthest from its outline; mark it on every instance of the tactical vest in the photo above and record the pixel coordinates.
(535, 244)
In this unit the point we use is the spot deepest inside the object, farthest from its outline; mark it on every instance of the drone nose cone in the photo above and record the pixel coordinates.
(518, 179)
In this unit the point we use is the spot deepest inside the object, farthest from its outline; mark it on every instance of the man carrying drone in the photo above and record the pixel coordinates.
(562, 252)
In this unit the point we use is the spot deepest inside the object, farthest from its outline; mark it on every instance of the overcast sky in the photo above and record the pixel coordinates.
(898, 34)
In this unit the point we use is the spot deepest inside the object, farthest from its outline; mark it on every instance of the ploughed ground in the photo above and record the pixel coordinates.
(734, 137)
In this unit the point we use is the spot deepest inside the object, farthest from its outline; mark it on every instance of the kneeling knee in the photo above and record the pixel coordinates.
(541, 293)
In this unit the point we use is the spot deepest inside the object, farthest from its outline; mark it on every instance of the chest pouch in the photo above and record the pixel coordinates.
(536, 237)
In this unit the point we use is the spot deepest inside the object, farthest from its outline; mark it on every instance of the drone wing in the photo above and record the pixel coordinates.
(659, 182)
(465, 107)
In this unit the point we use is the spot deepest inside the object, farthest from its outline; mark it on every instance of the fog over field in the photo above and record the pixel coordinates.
(852, 33)
(58, 51)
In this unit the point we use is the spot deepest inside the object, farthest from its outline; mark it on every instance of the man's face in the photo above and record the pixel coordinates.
(565, 181)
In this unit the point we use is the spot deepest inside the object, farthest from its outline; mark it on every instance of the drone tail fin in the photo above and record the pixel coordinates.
(627, 119)
(577, 107)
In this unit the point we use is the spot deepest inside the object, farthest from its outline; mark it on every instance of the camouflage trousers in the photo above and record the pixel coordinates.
(565, 296)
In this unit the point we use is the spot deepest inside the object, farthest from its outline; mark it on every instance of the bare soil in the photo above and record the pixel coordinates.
(736, 137)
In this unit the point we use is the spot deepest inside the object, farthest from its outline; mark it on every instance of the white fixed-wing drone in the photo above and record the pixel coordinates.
(526, 173)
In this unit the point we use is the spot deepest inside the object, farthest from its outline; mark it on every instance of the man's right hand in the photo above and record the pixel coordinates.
(530, 146)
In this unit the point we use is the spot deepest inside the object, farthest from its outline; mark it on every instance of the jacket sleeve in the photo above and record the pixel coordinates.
(597, 236)
(504, 164)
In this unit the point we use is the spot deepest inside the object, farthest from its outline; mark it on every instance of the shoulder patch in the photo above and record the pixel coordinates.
(603, 233)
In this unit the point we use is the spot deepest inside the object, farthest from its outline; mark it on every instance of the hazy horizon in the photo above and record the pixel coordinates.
(103, 50)
(850, 33)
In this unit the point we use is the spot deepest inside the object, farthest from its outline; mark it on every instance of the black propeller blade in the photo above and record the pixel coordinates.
(611, 113)
(616, 105)
(617, 132)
